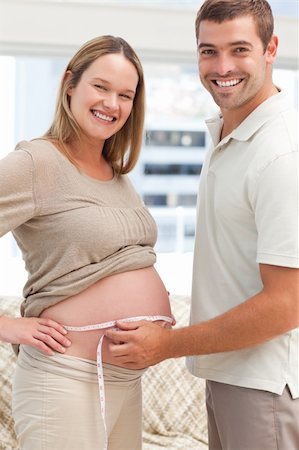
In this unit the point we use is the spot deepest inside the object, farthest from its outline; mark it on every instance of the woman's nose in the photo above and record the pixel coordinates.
(111, 101)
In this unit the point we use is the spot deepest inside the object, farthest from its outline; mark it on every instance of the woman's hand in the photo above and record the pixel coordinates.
(44, 334)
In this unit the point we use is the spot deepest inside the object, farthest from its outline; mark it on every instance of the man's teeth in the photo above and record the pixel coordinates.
(227, 83)
(102, 116)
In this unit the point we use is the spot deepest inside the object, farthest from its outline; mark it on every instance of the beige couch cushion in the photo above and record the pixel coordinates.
(173, 400)
(9, 305)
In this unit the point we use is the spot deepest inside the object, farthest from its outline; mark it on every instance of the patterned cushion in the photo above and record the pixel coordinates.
(10, 306)
(173, 400)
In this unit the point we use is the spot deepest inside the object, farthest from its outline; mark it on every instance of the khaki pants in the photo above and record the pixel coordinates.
(249, 419)
(56, 404)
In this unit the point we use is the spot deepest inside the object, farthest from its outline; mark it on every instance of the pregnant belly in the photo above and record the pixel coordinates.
(129, 294)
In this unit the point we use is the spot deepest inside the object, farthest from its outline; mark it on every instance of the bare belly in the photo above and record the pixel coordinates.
(135, 293)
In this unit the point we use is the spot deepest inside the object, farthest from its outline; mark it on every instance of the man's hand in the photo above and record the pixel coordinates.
(139, 344)
(44, 334)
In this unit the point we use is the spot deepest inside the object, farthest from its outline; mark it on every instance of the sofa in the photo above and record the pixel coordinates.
(174, 415)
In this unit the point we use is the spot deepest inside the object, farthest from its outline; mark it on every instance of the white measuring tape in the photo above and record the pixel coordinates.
(102, 326)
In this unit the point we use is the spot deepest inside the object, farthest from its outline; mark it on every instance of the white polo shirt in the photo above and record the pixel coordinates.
(247, 214)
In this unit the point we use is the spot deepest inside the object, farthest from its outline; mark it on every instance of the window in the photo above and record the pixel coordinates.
(174, 147)
(155, 199)
(172, 169)
(174, 138)
(186, 200)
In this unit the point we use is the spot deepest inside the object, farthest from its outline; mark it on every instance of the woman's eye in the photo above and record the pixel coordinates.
(126, 96)
(100, 86)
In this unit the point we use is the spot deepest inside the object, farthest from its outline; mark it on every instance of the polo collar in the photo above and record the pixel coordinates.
(271, 107)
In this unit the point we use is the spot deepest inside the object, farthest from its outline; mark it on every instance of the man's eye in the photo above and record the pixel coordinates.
(207, 52)
(241, 50)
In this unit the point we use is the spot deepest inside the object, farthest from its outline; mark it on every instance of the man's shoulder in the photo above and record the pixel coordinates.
(280, 132)
(273, 126)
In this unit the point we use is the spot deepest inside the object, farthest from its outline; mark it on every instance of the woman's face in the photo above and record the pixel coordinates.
(103, 99)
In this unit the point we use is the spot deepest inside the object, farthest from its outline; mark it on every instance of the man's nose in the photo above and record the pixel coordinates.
(224, 65)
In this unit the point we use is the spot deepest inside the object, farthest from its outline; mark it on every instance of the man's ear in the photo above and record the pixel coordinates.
(271, 50)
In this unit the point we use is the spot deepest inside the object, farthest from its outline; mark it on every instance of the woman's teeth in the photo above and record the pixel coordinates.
(102, 116)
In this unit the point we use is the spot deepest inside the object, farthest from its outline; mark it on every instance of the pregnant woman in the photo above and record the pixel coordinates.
(87, 240)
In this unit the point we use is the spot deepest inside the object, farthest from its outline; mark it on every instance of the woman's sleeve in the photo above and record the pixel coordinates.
(17, 197)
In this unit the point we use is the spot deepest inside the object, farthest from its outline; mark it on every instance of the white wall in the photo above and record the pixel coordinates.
(55, 27)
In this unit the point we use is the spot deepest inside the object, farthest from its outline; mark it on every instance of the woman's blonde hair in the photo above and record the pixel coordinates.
(122, 149)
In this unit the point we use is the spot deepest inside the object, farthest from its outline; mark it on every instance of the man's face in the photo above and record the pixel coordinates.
(232, 63)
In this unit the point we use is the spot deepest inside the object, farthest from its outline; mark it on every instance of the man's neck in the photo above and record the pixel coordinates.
(232, 118)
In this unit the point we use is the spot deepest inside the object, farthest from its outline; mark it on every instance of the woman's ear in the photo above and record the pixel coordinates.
(66, 79)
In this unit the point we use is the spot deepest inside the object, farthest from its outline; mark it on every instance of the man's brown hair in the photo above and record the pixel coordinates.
(222, 10)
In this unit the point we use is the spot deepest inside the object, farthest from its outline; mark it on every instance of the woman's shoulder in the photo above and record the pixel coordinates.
(38, 148)
(43, 153)
(25, 158)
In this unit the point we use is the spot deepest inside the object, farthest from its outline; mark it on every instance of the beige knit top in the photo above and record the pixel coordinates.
(72, 229)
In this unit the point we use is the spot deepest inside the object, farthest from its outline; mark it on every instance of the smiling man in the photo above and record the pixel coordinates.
(235, 63)
(243, 336)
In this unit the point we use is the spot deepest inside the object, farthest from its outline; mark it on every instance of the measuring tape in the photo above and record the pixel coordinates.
(102, 326)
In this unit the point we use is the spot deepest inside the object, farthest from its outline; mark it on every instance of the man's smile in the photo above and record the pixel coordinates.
(228, 83)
